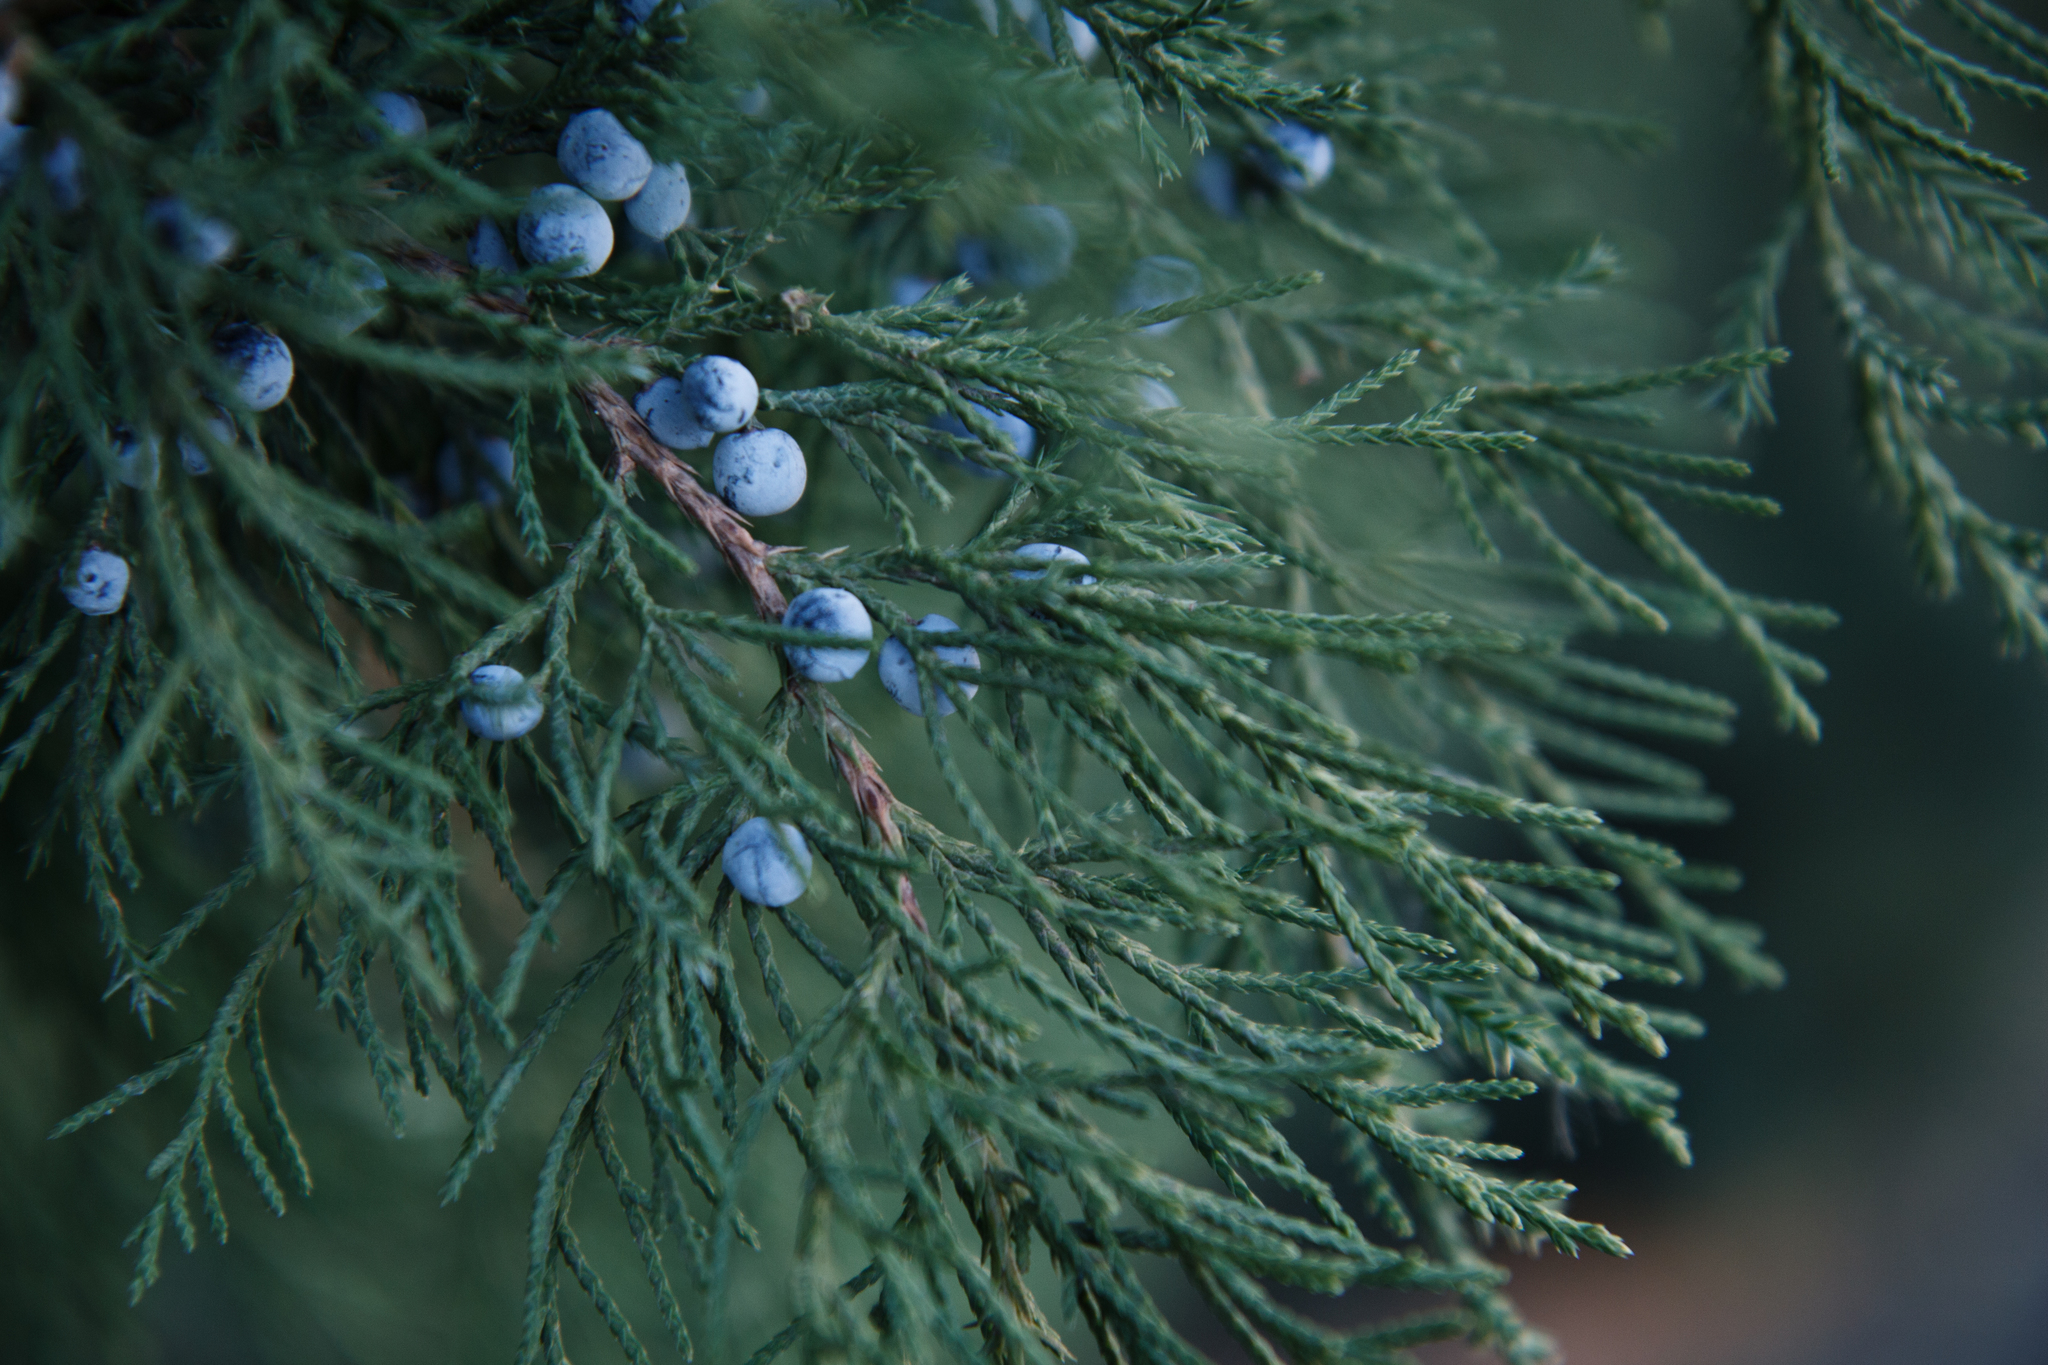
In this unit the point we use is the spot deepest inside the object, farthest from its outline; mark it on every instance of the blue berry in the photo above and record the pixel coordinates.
(828, 611)
(759, 473)
(501, 704)
(598, 153)
(99, 584)
(563, 226)
(261, 362)
(1156, 281)
(1154, 396)
(663, 203)
(136, 456)
(1023, 439)
(767, 862)
(898, 669)
(354, 287)
(662, 407)
(1214, 180)
(192, 453)
(721, 393)
(400, 114)
(478, 467)
(488, 249)
(906, 291)
(1299, 159)
(194, 236)
(1045, 552)
(64, 173)
(1033, 247)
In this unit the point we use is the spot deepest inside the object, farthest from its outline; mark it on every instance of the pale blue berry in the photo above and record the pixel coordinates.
(478, 467)
(64, 173)
(400, 114)
(598, 153)
(721, 393)
(1033, 247)
(501, 704)
(1023, 438)
(1299, 159)
(663, 203)
(898, 669)
(99, 584)
(563, 226)
(759, 473)
(192, 235)
(662, 407)
(828, 611)
(1155, 282)
(1154, 396)
(136, 456)
(260, 361)
(752, 101)
(353, 288)
(767, 862)
(488, 249)
(192, 452)
(1044, 552)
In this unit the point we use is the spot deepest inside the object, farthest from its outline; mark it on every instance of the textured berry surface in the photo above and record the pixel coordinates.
(1047, 553)
(767, 861)
(563, 226)
(829, 611)
(721, 393)
(662, 205)
(260, 361)
(898, 669)
(400, 114)
(99, 584)
(597, 152)
(666, 412)
(759, 473)
(501, 704)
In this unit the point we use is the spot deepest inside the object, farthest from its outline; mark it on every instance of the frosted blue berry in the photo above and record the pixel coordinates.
(353, 290)
(194, 236)
(721, 393)
(667, 415)
(759, 473)
(898, 669)
(663, 203)
(767, 861)
(501, 704)
(260, 361)
(598, 153)
(1079, 36)
(1299, 159)
(64, 173)
(488, 249)
(400, 114)
(99, 584)
(1154, 396)
(1023, 439)
(478, 467)
(1155, 282)
(561, 225)
(1044, 552)
(136, 456)
(828, 611)
(192, 451)
(1033, 247)
(1214, 179)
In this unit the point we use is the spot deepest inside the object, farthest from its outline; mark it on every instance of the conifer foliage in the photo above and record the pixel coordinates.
(357, 492)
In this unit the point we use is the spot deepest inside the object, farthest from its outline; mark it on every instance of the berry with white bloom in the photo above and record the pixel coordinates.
(767, 861)
(99, 584)
(192, 453)
(194, 236)
(501, 703)
(759, 473)
(135, 456)
(828, 611)
(663, 203)
(1155, 282)
(1045, 552)
(561, 225)
(721, 393)
(478, 467)
(597, 152)
(1023, 438)
(662, 407)
(401, 114)
(1303, 160)
(899, 670)
(261, 362)
(488, 249)
(64, 172)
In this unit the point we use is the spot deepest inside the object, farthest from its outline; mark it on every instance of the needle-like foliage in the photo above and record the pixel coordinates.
(1305, 809)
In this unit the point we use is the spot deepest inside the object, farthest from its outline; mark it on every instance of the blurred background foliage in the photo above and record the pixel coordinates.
(1872, 1142)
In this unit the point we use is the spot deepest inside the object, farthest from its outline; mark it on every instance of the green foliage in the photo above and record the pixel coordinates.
(1301, 806)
